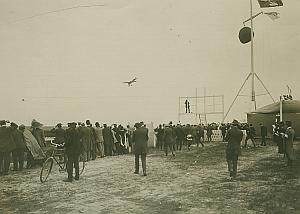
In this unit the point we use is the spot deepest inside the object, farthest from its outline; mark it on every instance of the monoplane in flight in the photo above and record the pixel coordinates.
(131, 81)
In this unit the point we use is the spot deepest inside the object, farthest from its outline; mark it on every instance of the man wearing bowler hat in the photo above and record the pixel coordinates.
(140, 140)
(73, 149)
(233, 150)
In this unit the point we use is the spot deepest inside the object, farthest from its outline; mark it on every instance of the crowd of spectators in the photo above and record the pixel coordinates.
(96, 141)
(104, 140)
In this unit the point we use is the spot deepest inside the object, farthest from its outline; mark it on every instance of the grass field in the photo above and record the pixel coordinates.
(194, 181)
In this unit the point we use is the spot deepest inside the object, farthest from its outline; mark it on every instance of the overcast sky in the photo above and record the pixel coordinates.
(70, 65)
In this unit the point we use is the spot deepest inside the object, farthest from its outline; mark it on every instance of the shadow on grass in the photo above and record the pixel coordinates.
(277, 185)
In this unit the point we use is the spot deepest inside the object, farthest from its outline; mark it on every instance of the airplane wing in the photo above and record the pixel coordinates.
(130, 82)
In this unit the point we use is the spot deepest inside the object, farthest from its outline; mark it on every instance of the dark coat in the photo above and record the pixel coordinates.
(263, 131)
(209, 131)
(223, 130)
(107, 136)
(159, 134)
(60, 135)
(6, 141)
(179, 132)
(169, 136)
(201, 131)
(86, 135)
(93, 135)
(289, 141)
(18, 139)
(73, 145)
(250, 131)
(140, 140)
(234, 137)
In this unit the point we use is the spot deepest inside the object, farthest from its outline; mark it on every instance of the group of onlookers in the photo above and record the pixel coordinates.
(89, 142)
(94, 141)
(173, 137)
(98, 140)
(283, 136)
(12, 143)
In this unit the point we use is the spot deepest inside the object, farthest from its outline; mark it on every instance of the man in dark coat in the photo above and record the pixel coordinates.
(263, 133)
(93, 147)
(60, 134)
(73, 149)
(209, 132)
(223, 130)
(140, 140)
(233, 150)
(159, 137)
(289, 141)
(179, 136)
(108, 140)
(117, 139)
(250, 131)
(18, 152)
(86, 135)
(281, 140)
(199, 133)
(6, 147)
(169, 139)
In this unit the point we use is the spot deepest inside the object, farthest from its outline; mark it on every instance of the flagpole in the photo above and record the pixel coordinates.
(252, 58)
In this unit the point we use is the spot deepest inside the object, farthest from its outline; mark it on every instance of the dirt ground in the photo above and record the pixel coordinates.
(194, 181)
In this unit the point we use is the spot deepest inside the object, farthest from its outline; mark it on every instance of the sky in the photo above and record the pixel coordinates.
(69, 65)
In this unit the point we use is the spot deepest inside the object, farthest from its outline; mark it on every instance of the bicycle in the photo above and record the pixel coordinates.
(57, 155)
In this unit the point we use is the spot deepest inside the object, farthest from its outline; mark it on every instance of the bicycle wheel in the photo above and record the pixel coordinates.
(46, 169)
(81, 167)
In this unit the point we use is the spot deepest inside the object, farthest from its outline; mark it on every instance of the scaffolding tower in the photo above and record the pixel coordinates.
(201, 107)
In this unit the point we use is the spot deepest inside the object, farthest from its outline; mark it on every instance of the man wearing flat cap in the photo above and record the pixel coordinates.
(233, 150)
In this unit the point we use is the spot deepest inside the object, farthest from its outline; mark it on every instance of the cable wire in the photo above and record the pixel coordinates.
(58, 11)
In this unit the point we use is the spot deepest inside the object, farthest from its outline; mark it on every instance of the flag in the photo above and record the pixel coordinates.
(273, 15)
(270, 3)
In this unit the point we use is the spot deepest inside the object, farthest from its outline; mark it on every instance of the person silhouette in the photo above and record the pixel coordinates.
(186, 106)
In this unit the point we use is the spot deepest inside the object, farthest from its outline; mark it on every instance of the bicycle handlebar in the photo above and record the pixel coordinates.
(57, 145)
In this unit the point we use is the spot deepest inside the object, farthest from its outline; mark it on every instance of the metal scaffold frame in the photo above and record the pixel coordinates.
(201, 116)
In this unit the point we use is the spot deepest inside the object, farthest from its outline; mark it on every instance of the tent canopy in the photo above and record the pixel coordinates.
(288, 106)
